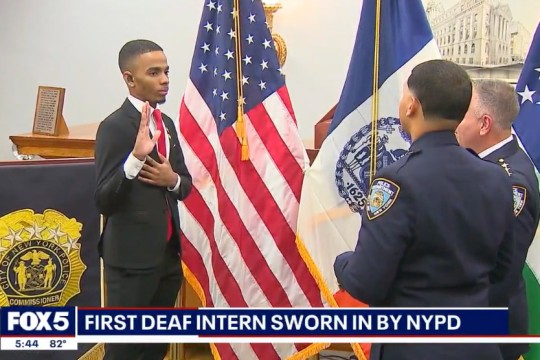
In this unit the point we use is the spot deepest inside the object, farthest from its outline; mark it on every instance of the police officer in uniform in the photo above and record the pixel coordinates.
(487, 129)
(437, 228)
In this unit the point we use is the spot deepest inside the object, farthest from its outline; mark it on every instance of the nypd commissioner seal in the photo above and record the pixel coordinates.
(40, 262)
(352, 168)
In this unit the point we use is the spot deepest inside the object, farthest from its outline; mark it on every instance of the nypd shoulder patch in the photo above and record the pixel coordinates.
(382, 195)
(520, 195)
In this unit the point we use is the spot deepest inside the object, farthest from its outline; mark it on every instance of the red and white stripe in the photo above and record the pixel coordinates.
(239, 222)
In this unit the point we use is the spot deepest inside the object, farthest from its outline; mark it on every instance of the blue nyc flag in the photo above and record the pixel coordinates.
(335, 187)
(527, 128)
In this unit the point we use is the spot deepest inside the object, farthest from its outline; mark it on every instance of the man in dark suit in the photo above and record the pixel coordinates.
(487, 129)
(433, 234)
(141, 175)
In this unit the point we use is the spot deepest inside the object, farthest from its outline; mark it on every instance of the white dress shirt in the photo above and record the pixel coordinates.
(132, 165)
(497, 146)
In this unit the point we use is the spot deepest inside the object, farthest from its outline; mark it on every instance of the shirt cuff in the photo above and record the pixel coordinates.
(177, 186)
(133, 166)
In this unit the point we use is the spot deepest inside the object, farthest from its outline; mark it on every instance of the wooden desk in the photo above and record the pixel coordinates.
(78, 144)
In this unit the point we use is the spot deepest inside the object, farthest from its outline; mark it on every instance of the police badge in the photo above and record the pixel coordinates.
(352, 167)
(520, 195)
(40, 260)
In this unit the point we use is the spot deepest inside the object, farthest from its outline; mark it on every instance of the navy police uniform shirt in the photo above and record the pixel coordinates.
(517, 165)
(436, 232)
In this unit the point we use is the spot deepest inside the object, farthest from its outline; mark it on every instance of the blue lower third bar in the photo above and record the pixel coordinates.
(294, 322)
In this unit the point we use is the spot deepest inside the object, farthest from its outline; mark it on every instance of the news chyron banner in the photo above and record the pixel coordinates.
(66, 328)
(49, 230)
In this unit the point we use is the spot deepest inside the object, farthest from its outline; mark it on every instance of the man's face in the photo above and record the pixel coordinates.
(469, 130)
(150, 73)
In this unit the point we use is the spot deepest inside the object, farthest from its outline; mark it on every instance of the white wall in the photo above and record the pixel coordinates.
(75, 44)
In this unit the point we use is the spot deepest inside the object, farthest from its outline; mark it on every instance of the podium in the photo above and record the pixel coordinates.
(79, 143)
(320, 132)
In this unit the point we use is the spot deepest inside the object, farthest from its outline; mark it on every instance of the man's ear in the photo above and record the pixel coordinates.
(412, 106)
(128, 78)
(486, 124)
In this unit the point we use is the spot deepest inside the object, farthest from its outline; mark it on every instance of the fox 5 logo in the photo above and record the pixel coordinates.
(42, 321)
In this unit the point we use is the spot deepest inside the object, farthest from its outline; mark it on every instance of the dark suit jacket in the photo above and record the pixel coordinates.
(135, 231)
(527, 213)
(433, 235)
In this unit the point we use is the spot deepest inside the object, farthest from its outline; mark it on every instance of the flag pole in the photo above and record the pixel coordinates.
(375, 103)
(240, 124)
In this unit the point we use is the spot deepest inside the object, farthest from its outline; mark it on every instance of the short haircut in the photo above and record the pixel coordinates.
(443, 88)
(135, 48)
(499, 100)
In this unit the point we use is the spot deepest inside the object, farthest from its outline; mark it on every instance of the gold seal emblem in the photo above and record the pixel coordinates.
(40, 260)
(377, 199)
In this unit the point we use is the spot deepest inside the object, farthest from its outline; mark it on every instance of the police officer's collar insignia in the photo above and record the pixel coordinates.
(505, 166)
(520, 195)
(382, 195)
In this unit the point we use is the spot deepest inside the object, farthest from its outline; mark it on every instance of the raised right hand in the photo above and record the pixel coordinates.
(144, 143)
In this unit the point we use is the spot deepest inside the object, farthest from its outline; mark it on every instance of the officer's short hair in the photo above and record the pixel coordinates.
(498, 99)
(443, 88)
(134, 48)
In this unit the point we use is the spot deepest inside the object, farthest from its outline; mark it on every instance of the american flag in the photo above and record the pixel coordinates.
(239, 222)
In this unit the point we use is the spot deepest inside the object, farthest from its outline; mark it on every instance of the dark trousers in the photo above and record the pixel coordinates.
(157, 287)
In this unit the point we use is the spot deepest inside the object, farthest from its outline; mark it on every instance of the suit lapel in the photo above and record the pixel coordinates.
(167, 124)
(131, 113)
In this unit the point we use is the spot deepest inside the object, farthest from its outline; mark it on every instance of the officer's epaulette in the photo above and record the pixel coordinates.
(505, 166)
(409, 154)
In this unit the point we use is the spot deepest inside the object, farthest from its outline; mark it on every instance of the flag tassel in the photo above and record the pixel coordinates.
(241, 132)
(240, 123)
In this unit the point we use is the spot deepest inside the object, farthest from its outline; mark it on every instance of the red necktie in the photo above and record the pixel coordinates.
(163, 151)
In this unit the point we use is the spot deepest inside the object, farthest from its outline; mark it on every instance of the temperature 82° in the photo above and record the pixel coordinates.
(57, 343)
